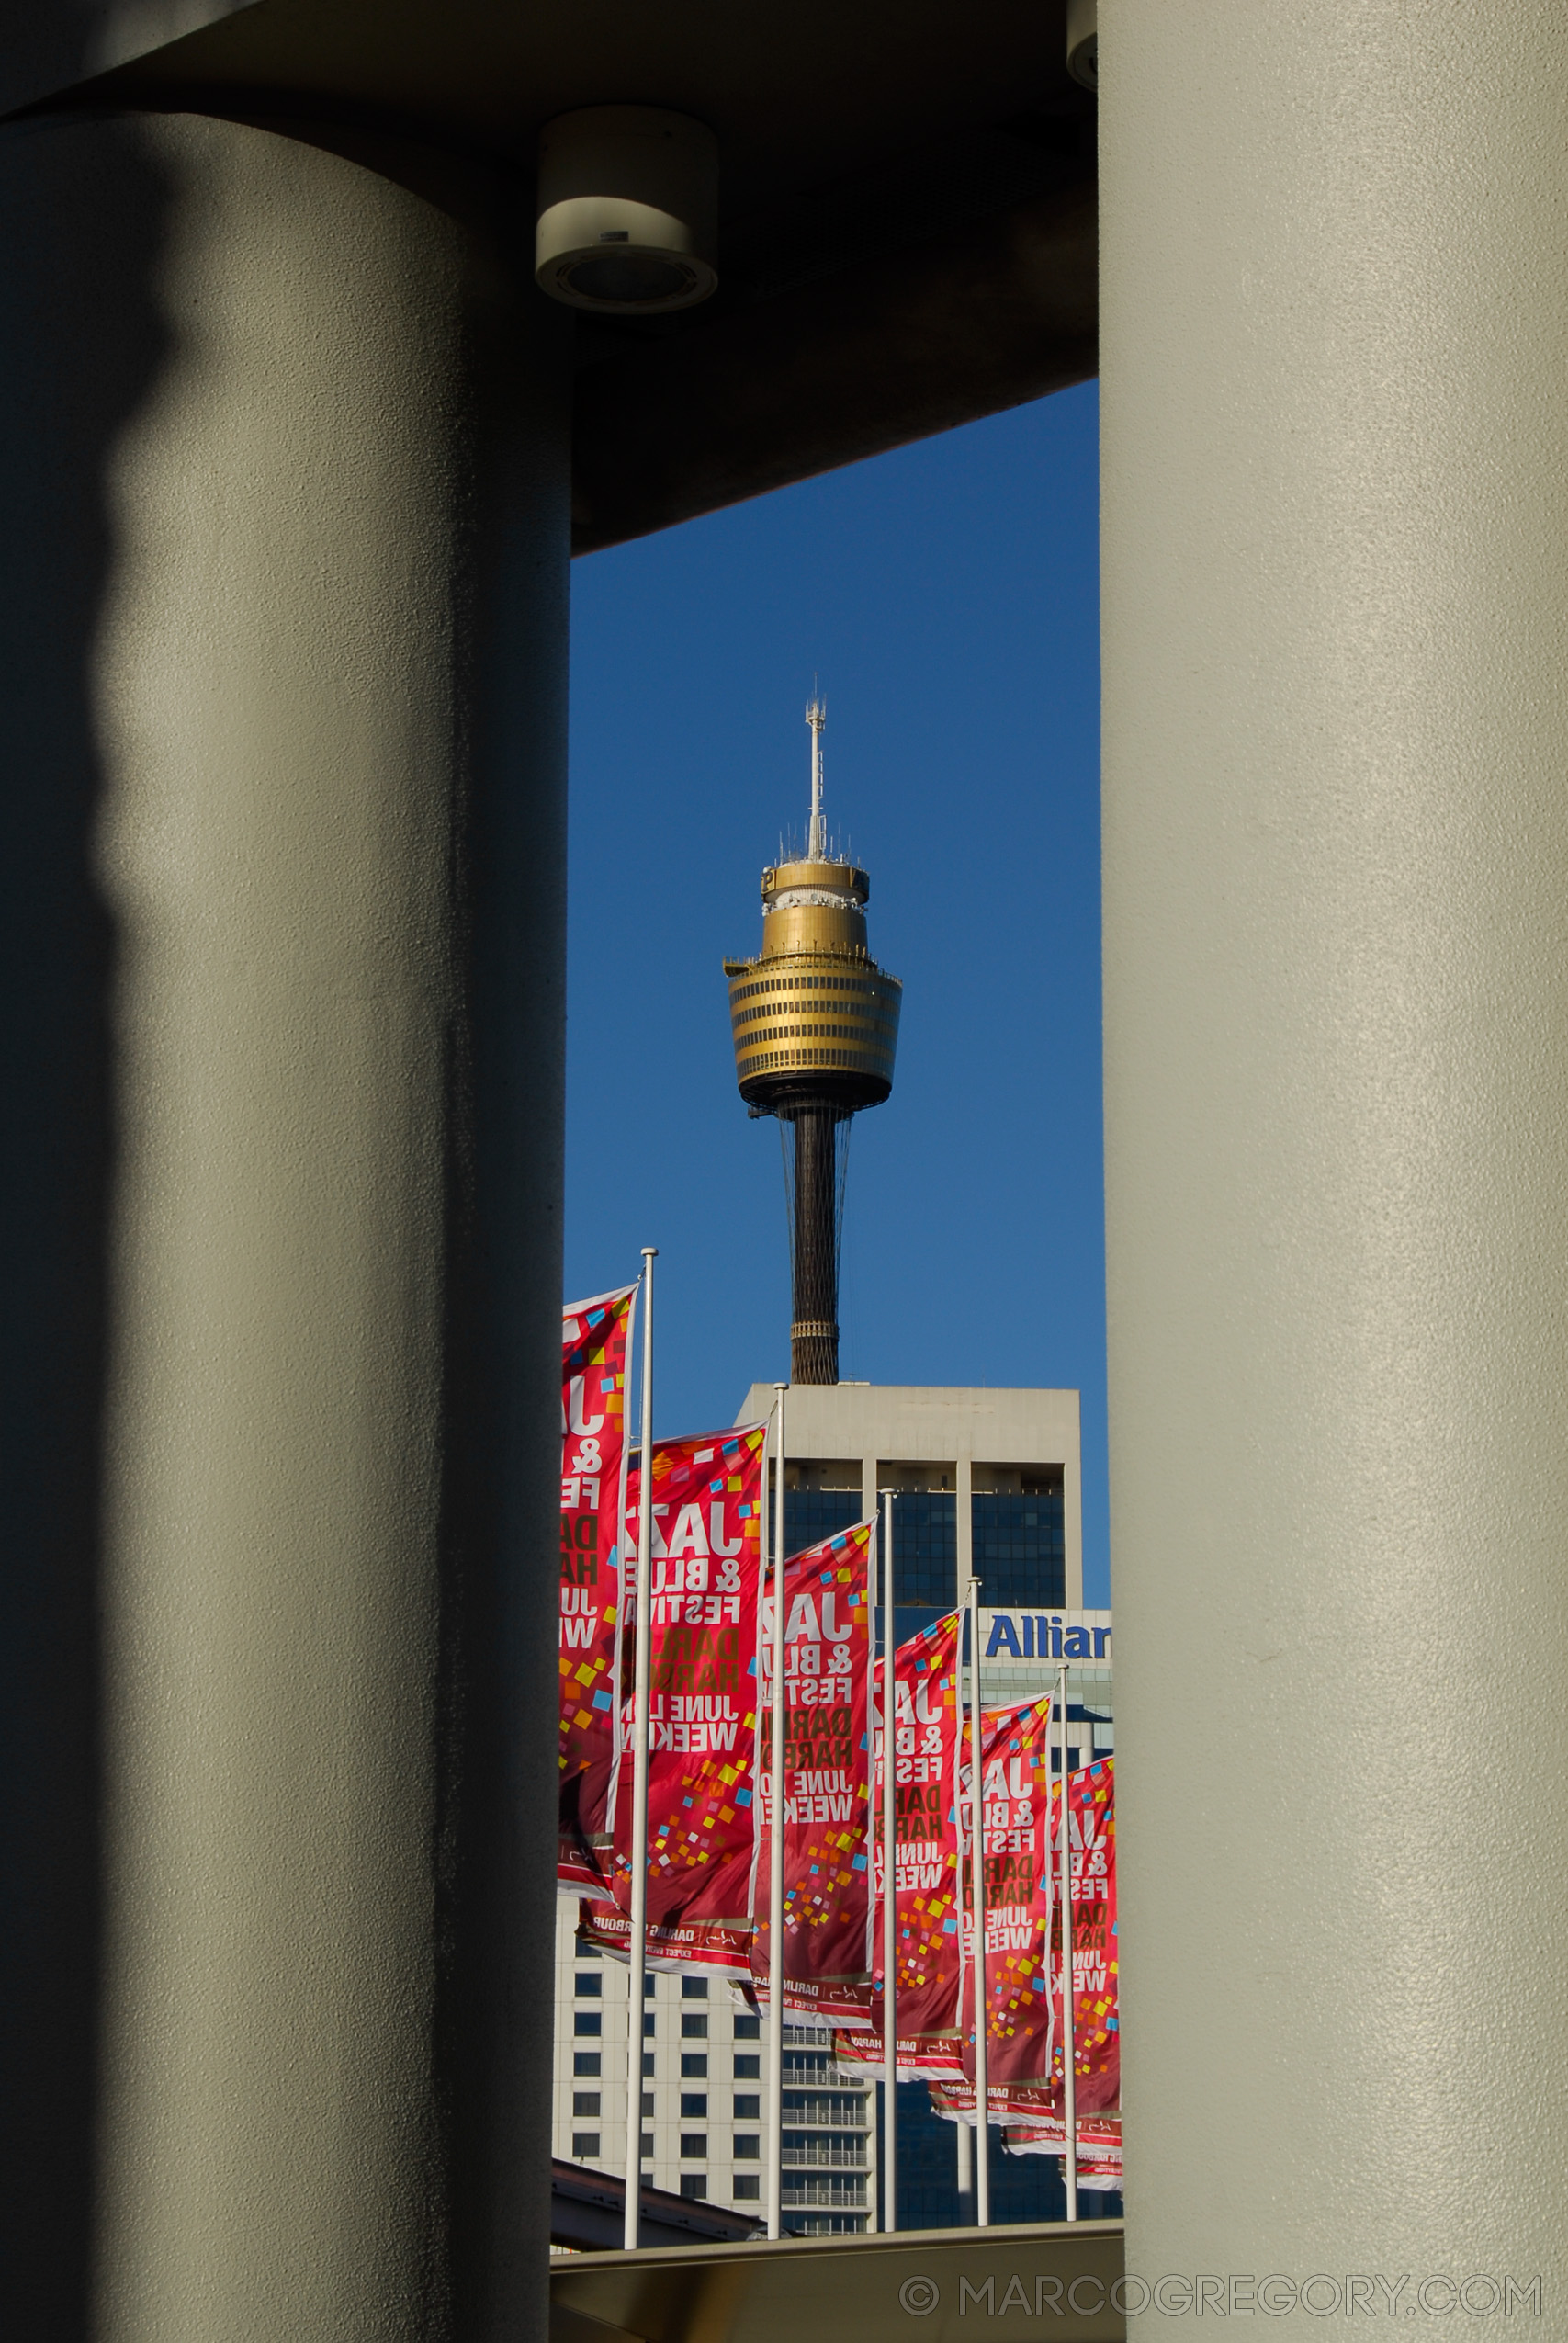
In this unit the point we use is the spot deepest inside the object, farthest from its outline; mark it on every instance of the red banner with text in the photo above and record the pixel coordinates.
(706, 1602)
(917, 2057)
(1033, 2126)
(1100, 2145)
(925, 1760)
(1022, 1827)
(1097, 2014)
(1016, 1793)
(827, 1909)
(595, 1341)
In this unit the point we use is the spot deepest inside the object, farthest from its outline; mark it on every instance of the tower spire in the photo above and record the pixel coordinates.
(816, 1025)
(817, 841)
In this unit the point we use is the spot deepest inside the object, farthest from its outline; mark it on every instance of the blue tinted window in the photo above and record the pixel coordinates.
(1023, 2188)
(1019, 1554)
(925, 1550)
(812, 1514)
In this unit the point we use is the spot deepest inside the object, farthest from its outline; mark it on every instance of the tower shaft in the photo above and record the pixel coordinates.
(814, 1332)
(816, 1028)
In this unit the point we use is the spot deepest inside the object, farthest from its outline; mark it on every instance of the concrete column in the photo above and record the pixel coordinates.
(283, 493)
(1335, 494)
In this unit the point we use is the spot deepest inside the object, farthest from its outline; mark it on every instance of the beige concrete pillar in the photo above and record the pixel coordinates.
(283, 493)
(1335, 532)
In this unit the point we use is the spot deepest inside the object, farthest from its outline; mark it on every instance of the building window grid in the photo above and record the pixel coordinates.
(818, 2199)
(812, 1514)
(925, 1550)
(1019, 1549)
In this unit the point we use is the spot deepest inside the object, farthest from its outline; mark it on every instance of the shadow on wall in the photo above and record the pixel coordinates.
(80, 236)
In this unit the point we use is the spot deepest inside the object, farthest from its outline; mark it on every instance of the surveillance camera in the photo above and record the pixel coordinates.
(1083, 42)
(629, 211)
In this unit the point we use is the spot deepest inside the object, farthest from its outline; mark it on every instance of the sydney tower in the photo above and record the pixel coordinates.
(816, 1025)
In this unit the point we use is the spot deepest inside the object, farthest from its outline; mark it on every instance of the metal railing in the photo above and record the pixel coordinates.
(844, 2148)
(826, 2187)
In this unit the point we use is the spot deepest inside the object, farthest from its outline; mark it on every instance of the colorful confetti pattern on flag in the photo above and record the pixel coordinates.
(1097, 2017)
(595, 1336)
(925, 1732)
(1022, 1829)
(706, 1602)
(826, 1779)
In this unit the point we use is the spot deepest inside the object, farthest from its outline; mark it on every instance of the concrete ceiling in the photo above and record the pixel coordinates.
(907, 215)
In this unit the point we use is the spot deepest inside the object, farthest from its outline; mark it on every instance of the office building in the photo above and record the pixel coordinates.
(701, 2130)
(985, 1483)
(983, 1480)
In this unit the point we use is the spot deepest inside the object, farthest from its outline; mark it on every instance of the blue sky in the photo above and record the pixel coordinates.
(945, 598)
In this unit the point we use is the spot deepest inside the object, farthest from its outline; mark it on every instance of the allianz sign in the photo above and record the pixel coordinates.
(1081, 1635)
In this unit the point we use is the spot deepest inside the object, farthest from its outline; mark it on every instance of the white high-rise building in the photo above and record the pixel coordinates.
(703, 2057)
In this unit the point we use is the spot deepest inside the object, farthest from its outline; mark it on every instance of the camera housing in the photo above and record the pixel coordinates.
(628, 210)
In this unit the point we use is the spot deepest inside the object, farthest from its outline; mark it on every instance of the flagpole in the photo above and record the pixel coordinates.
(639, 1770)
(872, 2161)
(977, 1902)
(1069, 2046)
(776, 1853)
(966, 2145)
(889, 1888)
(872, 2174)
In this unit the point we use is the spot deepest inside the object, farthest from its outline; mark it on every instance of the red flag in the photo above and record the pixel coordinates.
(925, 1756)
(1033, 2126)
(1100, 2145)
(1097, 2014)
(669, 1944)
(826, 1784)
(1022, 1829)
(1016, 1790)
(916, 2057)
(595, 1336)
(705, 1600)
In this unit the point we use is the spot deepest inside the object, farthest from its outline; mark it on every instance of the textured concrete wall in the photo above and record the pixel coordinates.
(283, 473)
(1335, 483)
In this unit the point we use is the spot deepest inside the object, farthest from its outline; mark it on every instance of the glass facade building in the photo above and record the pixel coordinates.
(1023, 2188)
(812, 1514)
(1017, 1543)
(925, 1550)
(1019, 1551)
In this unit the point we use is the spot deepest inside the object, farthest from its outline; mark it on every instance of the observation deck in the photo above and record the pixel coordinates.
(813, 1017)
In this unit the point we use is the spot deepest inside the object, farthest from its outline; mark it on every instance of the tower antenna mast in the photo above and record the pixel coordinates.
(816, 844)
(816, 1025)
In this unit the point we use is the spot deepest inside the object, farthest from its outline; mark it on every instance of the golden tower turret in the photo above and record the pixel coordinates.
(815, 1023)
